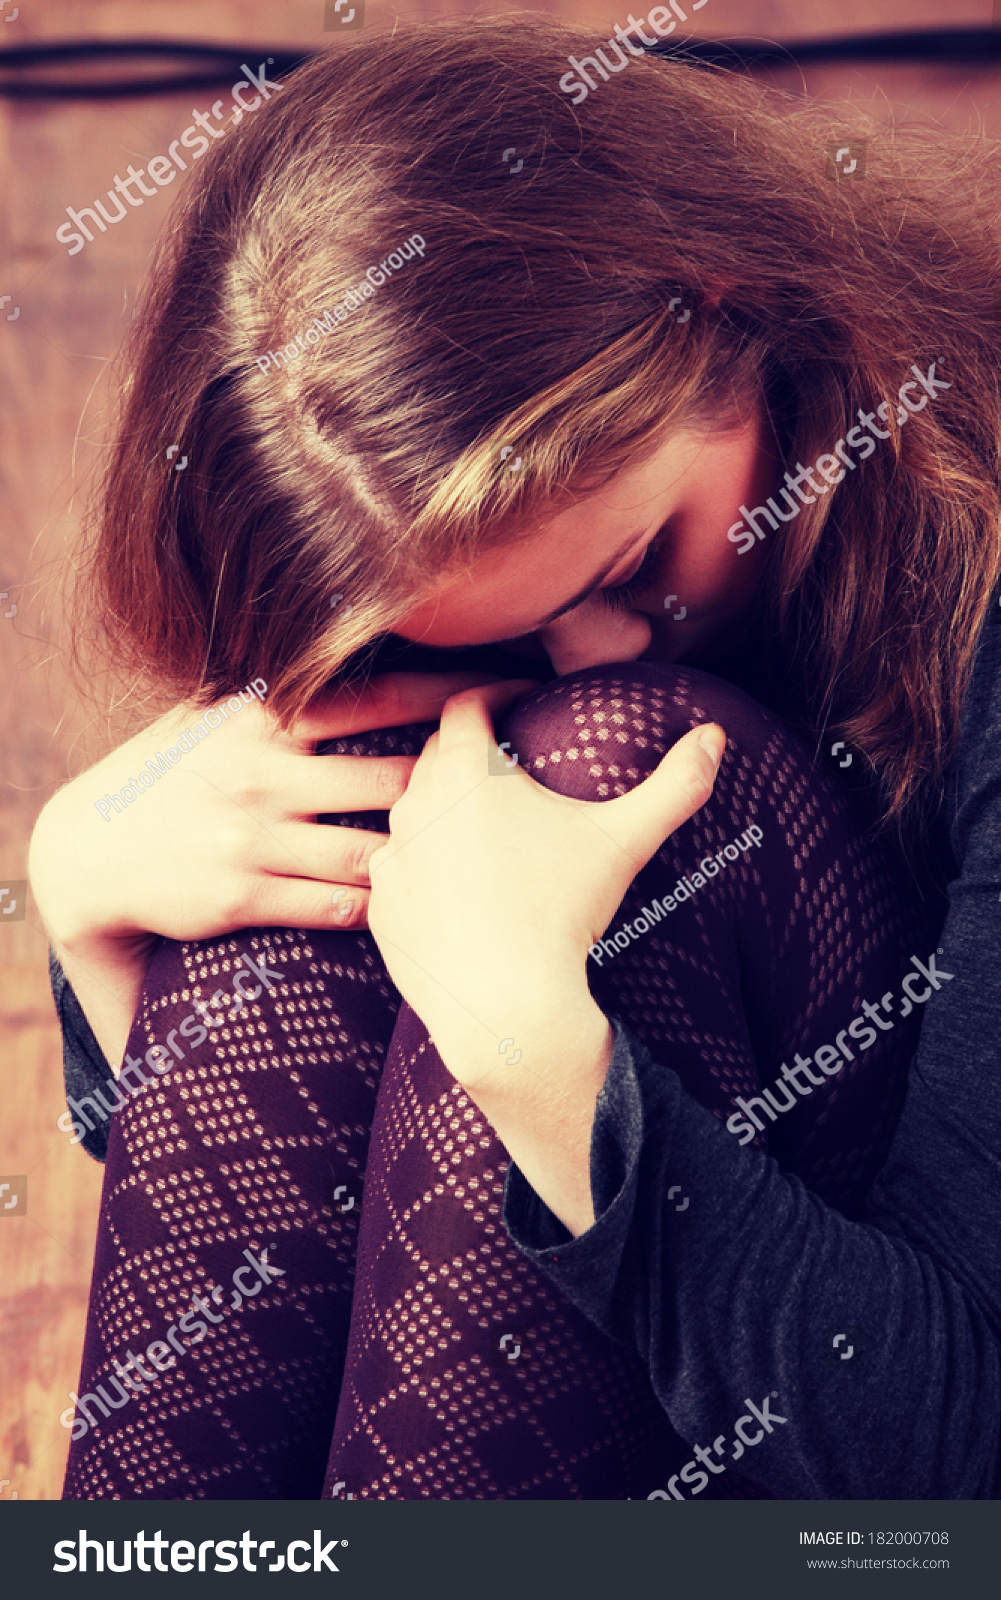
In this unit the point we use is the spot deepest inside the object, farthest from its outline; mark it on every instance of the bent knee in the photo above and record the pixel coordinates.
(597, 733)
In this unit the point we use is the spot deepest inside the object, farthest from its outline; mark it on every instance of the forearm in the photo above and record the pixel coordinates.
(542, 1106)
(107, 978)
(105, 965)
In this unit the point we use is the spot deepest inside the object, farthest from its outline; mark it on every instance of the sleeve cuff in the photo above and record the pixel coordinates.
(84, 1065)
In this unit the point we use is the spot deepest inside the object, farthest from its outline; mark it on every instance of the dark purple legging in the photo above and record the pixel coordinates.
(403, 1347)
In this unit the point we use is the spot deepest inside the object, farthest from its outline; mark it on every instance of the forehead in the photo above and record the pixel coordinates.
(547, 562)
(509, 589)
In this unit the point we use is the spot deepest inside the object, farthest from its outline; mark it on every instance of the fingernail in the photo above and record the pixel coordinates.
(713, 742)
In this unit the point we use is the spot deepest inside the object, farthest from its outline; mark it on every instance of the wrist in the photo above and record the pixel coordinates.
(102, 950)
(75, 890)
(566, 1042)
(542, 1108)
(106, 974)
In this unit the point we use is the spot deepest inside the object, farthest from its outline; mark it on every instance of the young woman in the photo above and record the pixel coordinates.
(672, 432)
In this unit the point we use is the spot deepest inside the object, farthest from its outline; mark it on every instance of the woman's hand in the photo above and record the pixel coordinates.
(485, 903)
(225, 839)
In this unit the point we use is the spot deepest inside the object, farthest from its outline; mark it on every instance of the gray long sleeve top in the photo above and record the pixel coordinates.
(736, 1302)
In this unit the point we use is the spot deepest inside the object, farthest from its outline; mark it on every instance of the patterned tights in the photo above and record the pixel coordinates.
(304, 1209)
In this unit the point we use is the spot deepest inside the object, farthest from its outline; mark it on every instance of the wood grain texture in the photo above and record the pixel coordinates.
(46, 1254)
(54, 359)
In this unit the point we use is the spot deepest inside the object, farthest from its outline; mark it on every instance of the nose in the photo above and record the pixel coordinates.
(592, 634)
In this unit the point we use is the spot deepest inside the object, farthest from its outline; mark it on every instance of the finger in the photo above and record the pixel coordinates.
(389, 701)
(318, 851)
(279, 902)
(422, 770)
(427, 756)
(310, 785)
(349, 907)
(641, 820)
(469, 715)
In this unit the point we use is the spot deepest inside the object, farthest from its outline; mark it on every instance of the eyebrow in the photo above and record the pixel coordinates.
(590, 586)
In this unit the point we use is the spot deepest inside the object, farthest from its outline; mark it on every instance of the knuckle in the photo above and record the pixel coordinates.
(232, 839)
(390, 783)
(356, 853)
(699, 786)
(245, 786)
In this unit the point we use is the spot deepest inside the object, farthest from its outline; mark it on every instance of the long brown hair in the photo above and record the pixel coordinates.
(540, 317)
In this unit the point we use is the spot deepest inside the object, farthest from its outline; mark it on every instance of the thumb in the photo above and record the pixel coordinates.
(682, 783)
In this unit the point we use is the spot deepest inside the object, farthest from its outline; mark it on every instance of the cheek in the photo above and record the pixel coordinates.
(708, 574)
(727, 577)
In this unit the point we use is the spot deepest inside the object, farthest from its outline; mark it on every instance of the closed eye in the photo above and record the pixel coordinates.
(621, 595)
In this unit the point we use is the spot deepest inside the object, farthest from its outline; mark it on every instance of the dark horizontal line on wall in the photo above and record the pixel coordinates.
(218, 64)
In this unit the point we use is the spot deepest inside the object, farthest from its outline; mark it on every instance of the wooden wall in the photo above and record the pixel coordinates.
(53, 357)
